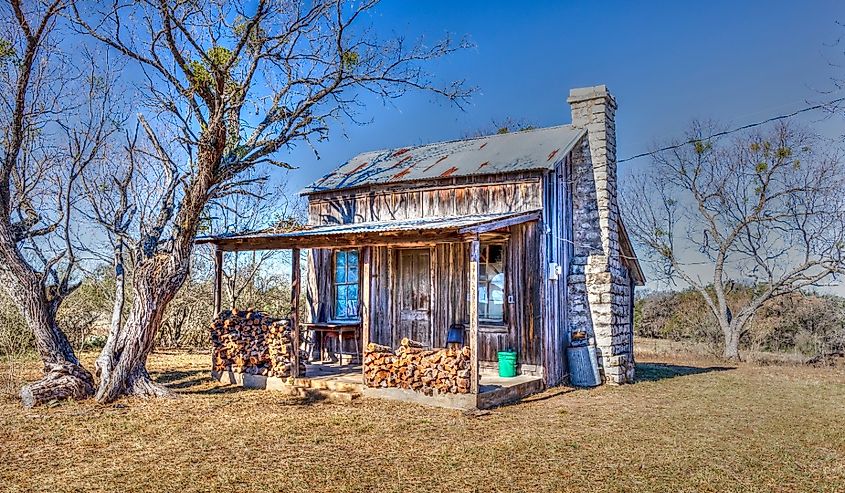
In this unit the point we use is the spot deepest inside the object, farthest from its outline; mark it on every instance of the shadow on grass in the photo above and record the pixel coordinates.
(183, 381)
(188, 384)
(548, 394)
(168, 377)
(653, 372)
(217, 390)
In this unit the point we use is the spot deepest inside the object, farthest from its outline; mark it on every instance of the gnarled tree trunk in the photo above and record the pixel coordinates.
(104, 360)
(155, 281)
(64, 377)
(122, 365)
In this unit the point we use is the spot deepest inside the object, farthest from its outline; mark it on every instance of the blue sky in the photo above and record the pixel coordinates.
(666, 62)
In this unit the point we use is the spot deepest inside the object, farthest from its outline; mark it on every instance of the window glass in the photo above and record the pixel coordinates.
(345, 284)
(352, 266)
(491, 282)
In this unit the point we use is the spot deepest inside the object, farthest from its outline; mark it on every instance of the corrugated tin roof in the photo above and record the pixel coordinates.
(392, 226)
(517, 151)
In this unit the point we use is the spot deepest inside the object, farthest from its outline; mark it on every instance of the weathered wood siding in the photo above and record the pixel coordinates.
(523, 330)
(556, 248)
(318, 286)
(486, 195)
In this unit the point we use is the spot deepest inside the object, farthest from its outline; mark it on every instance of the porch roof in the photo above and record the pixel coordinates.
(435, 229)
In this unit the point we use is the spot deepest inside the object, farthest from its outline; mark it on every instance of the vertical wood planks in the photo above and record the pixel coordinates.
(295, 281)
(218, 280)
(473, 313)
(366, 278)
(366, 274)
(482, 195)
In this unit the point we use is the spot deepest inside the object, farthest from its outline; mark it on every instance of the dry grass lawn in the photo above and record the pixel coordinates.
(686, 426)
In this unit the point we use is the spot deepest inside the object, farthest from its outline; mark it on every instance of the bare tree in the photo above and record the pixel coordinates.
(56, 114)
(764, 209)
(228, 87)
(113, 189)
(264, 208)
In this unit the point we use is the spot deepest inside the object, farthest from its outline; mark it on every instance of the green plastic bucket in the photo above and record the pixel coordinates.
(507, 364)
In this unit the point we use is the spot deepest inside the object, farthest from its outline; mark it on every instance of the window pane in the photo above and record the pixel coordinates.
(495, 311)
(352, 266)
(498, 281)
(497, 294)
(351, 308)
(482, 300)
(496, 255)
(491, 277)
(340, 266)
(340, 302)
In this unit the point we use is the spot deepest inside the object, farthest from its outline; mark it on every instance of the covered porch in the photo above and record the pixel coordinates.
(413, 279)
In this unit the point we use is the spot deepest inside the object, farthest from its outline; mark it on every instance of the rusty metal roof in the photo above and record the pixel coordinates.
(502, 153)
(338, 234)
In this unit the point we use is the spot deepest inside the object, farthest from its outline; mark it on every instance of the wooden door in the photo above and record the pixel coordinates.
(413, 295)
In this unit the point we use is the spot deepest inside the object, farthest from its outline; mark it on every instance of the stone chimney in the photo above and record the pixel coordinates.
(599, 286)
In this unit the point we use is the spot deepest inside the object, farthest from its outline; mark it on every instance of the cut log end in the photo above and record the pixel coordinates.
(445, 371)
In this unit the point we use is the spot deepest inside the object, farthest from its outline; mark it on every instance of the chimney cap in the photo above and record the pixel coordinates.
(580, 94)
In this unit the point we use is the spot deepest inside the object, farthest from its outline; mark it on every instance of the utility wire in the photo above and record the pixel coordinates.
(738, 129)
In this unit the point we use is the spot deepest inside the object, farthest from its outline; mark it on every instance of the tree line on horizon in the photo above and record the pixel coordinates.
(807, 325)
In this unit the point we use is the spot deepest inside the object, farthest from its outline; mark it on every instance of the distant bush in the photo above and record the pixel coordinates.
(95, 341)
(16, 344)
(809, 324)
(87, 311)
(186, 321)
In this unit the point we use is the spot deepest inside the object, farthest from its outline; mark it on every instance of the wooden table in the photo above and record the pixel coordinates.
(338, 328)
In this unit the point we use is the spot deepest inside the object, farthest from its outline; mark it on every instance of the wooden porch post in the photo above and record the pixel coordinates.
(473, 313)
(366, 272)
(295, 281)
(218, 279)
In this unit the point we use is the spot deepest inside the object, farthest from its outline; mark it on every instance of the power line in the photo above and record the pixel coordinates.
(738, 129)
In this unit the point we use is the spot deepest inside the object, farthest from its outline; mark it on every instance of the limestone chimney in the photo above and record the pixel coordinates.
(599, 286)
(594, 108)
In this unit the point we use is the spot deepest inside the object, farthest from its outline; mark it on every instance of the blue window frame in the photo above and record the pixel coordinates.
(346, 284)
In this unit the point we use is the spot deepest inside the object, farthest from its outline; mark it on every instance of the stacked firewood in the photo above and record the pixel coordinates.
(413, 367)
(249, 341)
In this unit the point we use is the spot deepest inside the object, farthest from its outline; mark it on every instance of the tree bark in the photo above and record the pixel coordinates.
(157, 278)
(61, 381)
(732, 332)
(123, 370)
(64, 376)
(104, 360)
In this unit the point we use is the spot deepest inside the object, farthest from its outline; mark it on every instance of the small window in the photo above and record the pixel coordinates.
(345, 284)
(491, 283)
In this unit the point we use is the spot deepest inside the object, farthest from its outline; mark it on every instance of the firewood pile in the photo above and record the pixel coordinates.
(249, 341)
(413, 367)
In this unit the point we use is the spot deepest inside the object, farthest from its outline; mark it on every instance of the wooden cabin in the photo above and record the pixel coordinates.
(512, 240)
